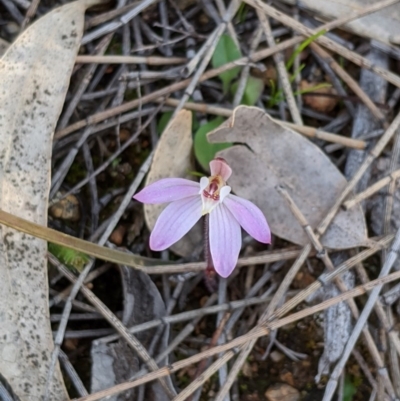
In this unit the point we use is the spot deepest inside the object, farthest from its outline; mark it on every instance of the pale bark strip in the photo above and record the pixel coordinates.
(35, 73)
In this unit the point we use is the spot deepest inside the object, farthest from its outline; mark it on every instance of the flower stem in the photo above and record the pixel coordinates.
(210, 276)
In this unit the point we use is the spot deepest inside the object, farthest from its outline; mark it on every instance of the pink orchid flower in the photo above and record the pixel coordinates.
(189, 200)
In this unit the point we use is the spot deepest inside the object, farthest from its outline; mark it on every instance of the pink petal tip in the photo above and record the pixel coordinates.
(219, 166)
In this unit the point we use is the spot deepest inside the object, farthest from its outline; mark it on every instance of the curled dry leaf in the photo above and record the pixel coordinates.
(275, 155)
(35, 73)
(173, 159)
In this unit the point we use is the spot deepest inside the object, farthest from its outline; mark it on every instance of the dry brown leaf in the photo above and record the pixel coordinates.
(35, 73)
(173, 158)
(276, 155)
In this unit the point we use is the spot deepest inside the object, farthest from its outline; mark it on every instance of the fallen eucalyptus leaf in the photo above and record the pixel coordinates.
(280, 156)
(35, 73)
(116, 362)
(382, 25)
(172, 158)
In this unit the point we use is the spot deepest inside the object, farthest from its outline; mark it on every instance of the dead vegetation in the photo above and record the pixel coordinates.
(303, 104)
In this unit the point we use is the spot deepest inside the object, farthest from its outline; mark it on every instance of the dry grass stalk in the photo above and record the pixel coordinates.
(132, 341)
(329, 43)
(130, 60)
(372, 189)
(282, 72)
(254, 334)
(322, 227)
(322, 253)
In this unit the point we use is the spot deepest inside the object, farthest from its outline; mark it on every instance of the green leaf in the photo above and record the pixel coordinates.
(69, 257)
(302, 46)
(349, 389)
(242, 13)
(163, 121)
(312, 88)
(252, 92)
(203, 150)
(225, 52)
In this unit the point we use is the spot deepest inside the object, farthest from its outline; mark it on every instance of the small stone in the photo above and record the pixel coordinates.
(246, 370)
(320, 103)
(117, 235)
(124, 134)
(66, 209)
(12, 28)
(287, 377)
(276, 356)
(70, 344)
(282, 392)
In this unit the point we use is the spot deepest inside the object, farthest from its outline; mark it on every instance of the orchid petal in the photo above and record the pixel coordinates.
(174, 222)
(204, 181)
(224, 192)
(220, 167)
(225, 240)
(167, 190)
(250, 217)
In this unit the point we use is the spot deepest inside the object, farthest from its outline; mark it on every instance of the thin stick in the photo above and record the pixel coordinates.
(78, 284)
(82, 84)
(30, 13)
(130, 60)
(336, 82)
(96, 118)
(112, 157)
(391, 258)
(329, 43)
(73, 376)
(254, 334)
(351, 83)
(203, 364)
(244, 75)
(233, 6)
(283, 74)
(371, 190)
(305, 130)
(183, 316)
(389, 199)
(78, 244)
(114, 25)
(101, 18)
(342, 286)
(394, 79)
(375, 152)
(324, 225)
(114, 321)
(125, 258)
